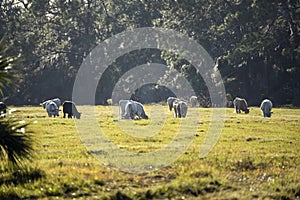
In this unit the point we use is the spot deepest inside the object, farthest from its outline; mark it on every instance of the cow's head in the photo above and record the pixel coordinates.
(78, 115)
(144, 116)
(269, 114)
(247, 111)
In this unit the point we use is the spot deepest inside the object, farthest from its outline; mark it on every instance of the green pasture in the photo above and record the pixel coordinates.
(254, 157)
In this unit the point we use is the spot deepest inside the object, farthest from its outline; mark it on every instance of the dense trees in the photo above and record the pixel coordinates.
(255, 43)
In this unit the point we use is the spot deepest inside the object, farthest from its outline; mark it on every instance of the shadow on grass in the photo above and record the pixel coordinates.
(21, 176)
(192, 189)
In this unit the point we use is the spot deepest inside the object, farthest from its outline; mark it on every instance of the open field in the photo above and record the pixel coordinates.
(254, 158)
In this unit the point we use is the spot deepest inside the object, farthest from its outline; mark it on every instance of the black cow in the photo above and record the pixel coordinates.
(70, 109)
(3, 108)
(180, 109)
(240, 104)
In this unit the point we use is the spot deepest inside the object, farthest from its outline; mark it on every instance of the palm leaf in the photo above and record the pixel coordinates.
(6, 65)
(15, 146)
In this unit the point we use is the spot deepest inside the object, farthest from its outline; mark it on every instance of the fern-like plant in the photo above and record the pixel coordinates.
(15, 145)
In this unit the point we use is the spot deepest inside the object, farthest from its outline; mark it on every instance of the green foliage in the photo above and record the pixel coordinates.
(255, 43)
(6, 68)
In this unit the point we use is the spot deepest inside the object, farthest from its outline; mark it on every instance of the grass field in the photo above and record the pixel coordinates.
(254, 158)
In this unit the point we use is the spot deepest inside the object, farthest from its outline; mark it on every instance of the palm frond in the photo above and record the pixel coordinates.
(15, 145)
(6, 66)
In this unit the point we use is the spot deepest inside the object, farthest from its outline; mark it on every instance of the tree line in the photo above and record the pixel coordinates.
(255, 44)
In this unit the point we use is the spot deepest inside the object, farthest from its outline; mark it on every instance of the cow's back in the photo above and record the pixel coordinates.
(266, 107)
(170, 102)
(67, 107)
(240, 104)
(129, 110)
(183, 109)
(122, 105)
(51, 107)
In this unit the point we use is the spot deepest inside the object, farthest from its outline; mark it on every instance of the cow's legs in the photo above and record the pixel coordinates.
(179, 112)
(132, 115)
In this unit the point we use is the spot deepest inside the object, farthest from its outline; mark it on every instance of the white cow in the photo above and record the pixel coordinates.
(133, 109)
(266, 107)
(180, 109)
(193, 101)
(170, 102)
(122, 104)
(52, 109)
(57, 101)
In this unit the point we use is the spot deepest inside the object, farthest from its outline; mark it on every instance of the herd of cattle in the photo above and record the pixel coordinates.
(52, 108)
(129, 109)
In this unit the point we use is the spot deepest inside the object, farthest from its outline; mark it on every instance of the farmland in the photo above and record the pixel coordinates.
(254, 158)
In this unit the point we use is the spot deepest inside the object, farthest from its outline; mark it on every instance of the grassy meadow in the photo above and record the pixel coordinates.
(254, 158)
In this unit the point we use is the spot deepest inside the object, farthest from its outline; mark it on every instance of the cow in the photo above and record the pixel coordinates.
(57, 101)
(193, 101)
(180, 109)
(122, 104)
(69, 108)
(133, 109)
(3, 108)
(52, 109)
(240, 105)
(266, 107)
(109, 102)
(170, 101)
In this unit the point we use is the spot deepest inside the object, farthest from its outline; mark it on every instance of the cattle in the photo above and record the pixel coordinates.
(52, 109)
(109, 102)
(122, 104)
(180, 109)
(3, 108)
(240, 105)
(57, 101)
(193, 101)
(266, 107)
(133, 109)
(69, 108)
(170, 101)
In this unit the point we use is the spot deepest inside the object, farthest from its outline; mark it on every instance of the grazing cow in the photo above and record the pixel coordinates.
(2, 109)
(133, 109)
(52, 109)
(44, 103)
(170, 102)
(57, 101)
(122, 104)
(109, 101)
(240, 104)
(266, 107)
(180, 109)
(193, 101)
(69, 108)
